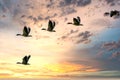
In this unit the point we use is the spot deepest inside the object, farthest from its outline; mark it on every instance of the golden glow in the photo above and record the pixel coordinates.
(42, 71)
(64, 67)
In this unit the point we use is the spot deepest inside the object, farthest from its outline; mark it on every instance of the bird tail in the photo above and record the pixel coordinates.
(69, 23)
(18, 34)
(19, 63)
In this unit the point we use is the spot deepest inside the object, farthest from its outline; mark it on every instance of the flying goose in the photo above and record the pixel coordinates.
(25, 60)
(76, 21)
(51, 26)
(26, 32)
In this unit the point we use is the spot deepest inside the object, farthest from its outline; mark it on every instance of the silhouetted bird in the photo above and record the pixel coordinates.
(112, 13)
(76, 21)
(25, 60)
(26, 32)
(51, 26)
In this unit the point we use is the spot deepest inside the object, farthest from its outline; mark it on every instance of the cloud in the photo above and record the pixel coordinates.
(111, 45)
(108, 48)
(39, 10)
(116, 56)
(108, 55)
(76, 37)
(75, 2)
(83, 2)
(84, 37)
(67, 11)
(112, 2)
(101, 56)
(3, 75)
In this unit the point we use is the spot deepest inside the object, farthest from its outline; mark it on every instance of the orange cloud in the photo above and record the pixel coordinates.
(5, 75)
(92, 70)
(46, 71)
(67, 67)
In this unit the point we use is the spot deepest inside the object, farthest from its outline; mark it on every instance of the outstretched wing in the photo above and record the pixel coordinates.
(50, 27)
(54, 23)
(78, 18)
(111, 13)
(76, 22)
(25, 31)
(25, 59)
(28, 30)
(28, 58)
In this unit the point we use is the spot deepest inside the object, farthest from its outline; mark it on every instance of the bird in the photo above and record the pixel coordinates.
(113, 13)
(25, 60)
(76, 21)
(26, 32)
(51, 26)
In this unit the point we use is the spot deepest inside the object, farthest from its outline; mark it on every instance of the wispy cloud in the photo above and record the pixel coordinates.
(78, 37)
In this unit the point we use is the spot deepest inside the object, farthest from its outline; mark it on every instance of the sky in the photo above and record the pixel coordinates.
(88, 51)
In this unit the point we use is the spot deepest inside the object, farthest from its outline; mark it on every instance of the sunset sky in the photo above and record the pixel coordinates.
(91, 50)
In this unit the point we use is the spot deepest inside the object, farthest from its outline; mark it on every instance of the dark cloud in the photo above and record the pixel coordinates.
(52, 16)
(7, 3)
(67, 11)
(101, 55)
(40, 18)
(50, 4)
(75, 2)
(77, 38)
(109, 1)
(83, 2)
(108, 54)
(68, 34)
(111, 45)
(112, 2)
(21, 10)
(116, 56)
(84, 37)
(106, 49)
(68, 6)
(2, 7)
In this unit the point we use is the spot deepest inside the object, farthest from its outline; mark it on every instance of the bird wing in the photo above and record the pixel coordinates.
(28, 30)
(24, 60)
(78, 18)
(25, 31)
(76, 22)
(28, 58)
(50, 27)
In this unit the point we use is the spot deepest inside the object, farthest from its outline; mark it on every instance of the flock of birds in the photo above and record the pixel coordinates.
(51, 26)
